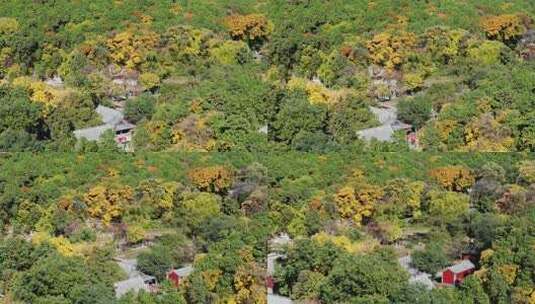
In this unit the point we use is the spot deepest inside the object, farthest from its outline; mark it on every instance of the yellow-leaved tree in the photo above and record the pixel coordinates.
(252, 28)
(453, 178)
(130, 47)
(357, 202)
(249, 280)
(391, 50)
(107, 202)
(215, 179)
(505, 28)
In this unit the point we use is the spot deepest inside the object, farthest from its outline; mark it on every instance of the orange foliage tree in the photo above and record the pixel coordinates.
(253, 28)
(215, 179)
(506, 28)
(453, 178)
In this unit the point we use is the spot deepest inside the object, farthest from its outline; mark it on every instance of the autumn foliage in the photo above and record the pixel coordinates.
(391, 50)
(357, 203)
(107, 203)
(453, 178)
(506, 28)
(130, 47)
(215, 179)
(253, 28)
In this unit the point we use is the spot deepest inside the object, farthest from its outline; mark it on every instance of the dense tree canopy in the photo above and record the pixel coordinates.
(178, 133)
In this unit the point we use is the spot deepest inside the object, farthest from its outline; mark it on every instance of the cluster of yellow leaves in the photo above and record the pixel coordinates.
(227, 52)
(414, 194)
(445, 43)
(413, 81)
(8, 25)
(391, 230)
(90, 48)
(453, 178)
(357, 203)
(149, 81)
(199, 206)
(249, 281)
(157, 131)
(345, 243)
(42, 93)
(250, 27)
(391, 49)
(215, 179)
(486, 52)
(157, 193)
(526, 171)
(193, 132)
(316, 92)
(503, 27)
(405, 196)
(61, 244)
(211, 277)
(509, 272)
(445, 127)
(130, 48)
(175, 9)
(185, 42)
(145, 19)
(107, 203)
(488, 134)
(135, 234)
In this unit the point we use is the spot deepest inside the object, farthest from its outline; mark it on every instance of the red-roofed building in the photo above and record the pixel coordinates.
(454, 275)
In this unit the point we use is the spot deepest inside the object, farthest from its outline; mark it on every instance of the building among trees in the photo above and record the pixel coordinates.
(454, 275)
(112, 120)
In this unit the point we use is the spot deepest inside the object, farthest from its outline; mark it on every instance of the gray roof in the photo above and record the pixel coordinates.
(384, 115)
(134, 284)
(92, 133)
(387, 117)
(462, 266)
(272, 260)
(275, 299)
(112, 119)
(129, 266)
(398, 125)
(184, 271)
(382, 133)
(109, 115)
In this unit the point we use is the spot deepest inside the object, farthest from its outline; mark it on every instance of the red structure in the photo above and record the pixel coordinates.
(175, 276)
(454, 275)
(270, 283)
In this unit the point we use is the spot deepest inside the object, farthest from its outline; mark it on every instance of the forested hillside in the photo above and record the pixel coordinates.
(269, 75)
(267, 151)
(66, 216)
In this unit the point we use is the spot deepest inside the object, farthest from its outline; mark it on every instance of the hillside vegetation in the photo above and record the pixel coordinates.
(211, 74)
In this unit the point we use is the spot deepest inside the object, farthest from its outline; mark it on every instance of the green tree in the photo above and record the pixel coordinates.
(415, 111)
(156, 262)
(431, 259)
(363, 276)
(296, 116)
(139, 108)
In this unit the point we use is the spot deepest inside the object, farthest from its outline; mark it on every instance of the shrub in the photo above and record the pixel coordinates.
(415, 111)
